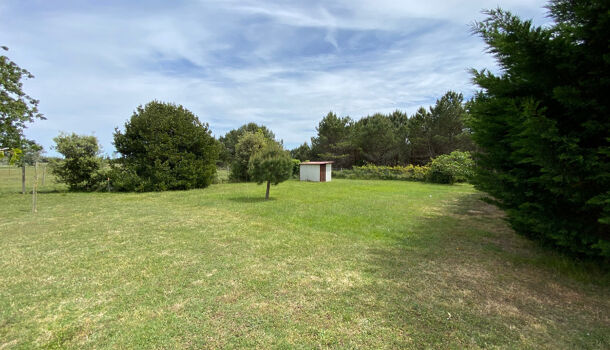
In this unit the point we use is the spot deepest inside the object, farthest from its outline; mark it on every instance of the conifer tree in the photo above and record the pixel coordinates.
(543, 124)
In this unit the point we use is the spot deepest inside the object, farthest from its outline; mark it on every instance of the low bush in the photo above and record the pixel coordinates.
(445, 169)
(296, 168)
(450, 168)
(81, 168)
(374, 172)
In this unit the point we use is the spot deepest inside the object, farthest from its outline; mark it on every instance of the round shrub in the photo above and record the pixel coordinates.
(164, 147)
(450, 168)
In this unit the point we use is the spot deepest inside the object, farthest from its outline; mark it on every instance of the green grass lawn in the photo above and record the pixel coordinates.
(345, 264)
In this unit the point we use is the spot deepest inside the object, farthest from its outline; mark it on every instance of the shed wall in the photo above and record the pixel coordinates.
(310, 172)
(328, 172)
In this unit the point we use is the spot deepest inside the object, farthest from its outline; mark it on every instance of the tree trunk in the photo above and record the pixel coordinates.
(267, 194)
(23, 179)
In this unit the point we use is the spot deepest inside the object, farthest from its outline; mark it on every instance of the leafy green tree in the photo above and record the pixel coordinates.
(17, 109)
(13, 154)
(164, 147)
(271, 164)
(302, 153)
(230, 140)
(542, 124)
(249, 143)
(81, 164)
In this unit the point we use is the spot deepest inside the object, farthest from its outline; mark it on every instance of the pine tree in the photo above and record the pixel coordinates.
(543, 124)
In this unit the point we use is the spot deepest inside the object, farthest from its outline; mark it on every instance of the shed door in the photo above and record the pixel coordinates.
(322, 172)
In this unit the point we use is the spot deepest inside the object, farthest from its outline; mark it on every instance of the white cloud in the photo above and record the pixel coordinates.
(283, 65)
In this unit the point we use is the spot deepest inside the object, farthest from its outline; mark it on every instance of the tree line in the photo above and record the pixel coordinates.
(391, 139)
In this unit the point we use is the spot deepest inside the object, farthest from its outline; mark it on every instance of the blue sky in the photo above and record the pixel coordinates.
(280, 63)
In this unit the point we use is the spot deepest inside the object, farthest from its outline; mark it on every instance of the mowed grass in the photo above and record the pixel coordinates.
(345, 264)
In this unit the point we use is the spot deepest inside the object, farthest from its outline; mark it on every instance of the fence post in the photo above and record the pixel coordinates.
(23, 179)
(35, 188)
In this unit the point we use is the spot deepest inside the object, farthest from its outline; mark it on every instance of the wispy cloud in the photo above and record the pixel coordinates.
(282, 64)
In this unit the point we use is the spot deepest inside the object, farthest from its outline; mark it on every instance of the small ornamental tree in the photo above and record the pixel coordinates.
(164, 147)
(230, 140)
(249, 143)
(272, 165)
(81, 164)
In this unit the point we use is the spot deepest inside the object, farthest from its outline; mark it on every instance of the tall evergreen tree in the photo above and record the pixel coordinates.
(334, 140)
(400, 124)
(302, 153)
(440, 130)
(543, 124)
(377, 140)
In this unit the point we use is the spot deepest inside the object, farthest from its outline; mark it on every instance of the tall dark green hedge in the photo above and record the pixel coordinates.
(164, 147)
(543, 124)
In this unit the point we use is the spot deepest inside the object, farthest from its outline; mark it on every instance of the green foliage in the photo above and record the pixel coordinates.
(14, 154)
(296, 167)
(248, 144)
(164, 147)
(229, 140)
(16, 107)
(334, 141)
(32, 152)
(450, 168)
(81, 168)
(440, 130)
(376, 138)
(542, 124)
(302, 153)
(271, 164)
(392, 139)
(374, 172)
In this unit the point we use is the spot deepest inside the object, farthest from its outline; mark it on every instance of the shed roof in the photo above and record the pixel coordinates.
(318, 163)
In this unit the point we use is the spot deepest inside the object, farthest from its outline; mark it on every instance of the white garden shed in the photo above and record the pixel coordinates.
(316, 171)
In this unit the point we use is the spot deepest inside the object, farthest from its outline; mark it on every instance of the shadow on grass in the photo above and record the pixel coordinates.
(250, 199)
(464, 256)
(470, 226)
